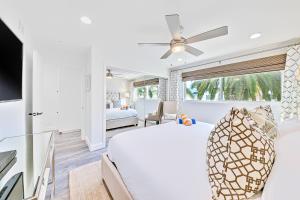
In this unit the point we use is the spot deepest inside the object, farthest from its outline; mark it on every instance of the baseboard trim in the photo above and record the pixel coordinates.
(94, 147)
(71, 131)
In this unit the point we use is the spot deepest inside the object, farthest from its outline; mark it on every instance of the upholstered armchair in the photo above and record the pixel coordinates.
(157, 116)
(170, 110)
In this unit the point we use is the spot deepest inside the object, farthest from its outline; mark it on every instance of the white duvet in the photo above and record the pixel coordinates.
(117, 113)
(165, 162)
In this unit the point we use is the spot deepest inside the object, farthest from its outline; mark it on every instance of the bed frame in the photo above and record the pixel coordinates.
(113, 180)
(121, 122)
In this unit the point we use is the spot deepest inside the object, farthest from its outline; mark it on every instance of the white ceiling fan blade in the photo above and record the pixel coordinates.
(167, 54)
(208, 35)
(154, 44)
(174, 26)
(193, 51)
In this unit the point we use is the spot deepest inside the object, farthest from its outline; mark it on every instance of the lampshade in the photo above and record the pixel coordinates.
(126, 95)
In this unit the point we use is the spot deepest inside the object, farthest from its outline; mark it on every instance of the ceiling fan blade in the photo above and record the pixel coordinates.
(154, 44)
(208, 35)
(193, 51)
(174, 26)
(167, 54)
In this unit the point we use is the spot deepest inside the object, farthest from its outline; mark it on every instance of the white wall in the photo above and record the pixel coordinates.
(95, 124)
(62, 71)
(117, 85)
(12, 114)
(211, 112)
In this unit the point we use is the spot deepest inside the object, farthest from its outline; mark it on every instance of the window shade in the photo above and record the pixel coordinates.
(267, 64)
(154, 81)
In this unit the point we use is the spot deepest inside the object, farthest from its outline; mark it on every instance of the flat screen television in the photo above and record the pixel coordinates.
(11, 53)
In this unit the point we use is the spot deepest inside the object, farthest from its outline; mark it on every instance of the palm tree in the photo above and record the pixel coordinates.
(189, 92)
(262, 86)
(141, 92)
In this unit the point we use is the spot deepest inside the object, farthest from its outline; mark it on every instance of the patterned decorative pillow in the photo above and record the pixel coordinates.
(217, 152)
(264, 118)
(240, 169)
(117, 104)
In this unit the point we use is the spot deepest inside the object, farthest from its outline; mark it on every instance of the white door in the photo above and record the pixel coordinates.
(42, 110)
(70, 81)
(45, 94)
(36, 95)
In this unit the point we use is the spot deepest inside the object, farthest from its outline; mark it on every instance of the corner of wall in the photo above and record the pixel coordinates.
(94, 147)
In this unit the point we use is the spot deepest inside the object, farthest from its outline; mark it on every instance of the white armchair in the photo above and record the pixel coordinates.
(170, 110)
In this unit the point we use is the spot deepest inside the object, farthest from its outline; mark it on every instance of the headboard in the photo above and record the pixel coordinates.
(112, 96)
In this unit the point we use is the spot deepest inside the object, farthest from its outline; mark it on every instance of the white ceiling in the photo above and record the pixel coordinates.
(118, 25)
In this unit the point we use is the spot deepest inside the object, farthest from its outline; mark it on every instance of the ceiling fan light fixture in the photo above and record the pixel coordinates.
(178, 48)
(109, 75)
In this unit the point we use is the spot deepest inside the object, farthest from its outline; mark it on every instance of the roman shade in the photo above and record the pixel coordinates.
(154, 81)
(267, 64)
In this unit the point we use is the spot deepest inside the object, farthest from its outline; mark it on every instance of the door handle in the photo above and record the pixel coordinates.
(35, 113)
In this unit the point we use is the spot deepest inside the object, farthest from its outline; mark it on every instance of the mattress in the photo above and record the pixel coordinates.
(165, 162)
(117, 113)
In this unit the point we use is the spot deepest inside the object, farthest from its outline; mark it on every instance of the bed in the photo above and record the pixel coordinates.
(115, 117)
(173, 173)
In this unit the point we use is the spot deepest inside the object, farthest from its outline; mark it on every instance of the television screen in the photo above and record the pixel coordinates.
(10, 64)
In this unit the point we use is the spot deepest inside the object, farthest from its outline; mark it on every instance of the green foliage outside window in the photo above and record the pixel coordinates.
(252, 87)
(152, 91)
(149, 92)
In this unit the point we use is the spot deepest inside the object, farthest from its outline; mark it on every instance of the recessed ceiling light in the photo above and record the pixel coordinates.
(255, 35)
(85, 20)
(179, 59)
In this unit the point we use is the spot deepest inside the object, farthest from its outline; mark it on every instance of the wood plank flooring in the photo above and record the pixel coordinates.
(70, 153)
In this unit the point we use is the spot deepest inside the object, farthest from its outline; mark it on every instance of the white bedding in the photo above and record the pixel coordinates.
(165, 162)
(117, 113)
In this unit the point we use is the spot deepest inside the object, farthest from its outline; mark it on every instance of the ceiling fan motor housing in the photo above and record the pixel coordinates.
(177, 45)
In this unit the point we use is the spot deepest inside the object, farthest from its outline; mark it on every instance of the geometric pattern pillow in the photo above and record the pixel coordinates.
(247, 162)
(117, 103)
(217, 151)
(264, 118)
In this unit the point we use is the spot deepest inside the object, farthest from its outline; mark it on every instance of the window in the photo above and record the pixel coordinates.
(152, 91)
(251, 87)
(140, 92)
(148, 92)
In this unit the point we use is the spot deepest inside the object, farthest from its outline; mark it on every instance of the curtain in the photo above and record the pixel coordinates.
(162, 89)
(290, 105)
(176, 92)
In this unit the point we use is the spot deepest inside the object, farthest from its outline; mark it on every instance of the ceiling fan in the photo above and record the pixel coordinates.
(179, 43)
(110, 75)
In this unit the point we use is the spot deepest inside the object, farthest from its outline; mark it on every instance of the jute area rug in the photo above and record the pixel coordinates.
(86, 183)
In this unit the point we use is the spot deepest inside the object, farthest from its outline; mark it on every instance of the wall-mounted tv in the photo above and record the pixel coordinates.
(11, 51)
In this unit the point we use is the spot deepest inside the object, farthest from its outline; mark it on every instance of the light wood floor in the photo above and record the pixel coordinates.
(71, 152)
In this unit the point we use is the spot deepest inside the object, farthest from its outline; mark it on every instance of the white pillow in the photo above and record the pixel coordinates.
(288, 126)
(283, 182)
